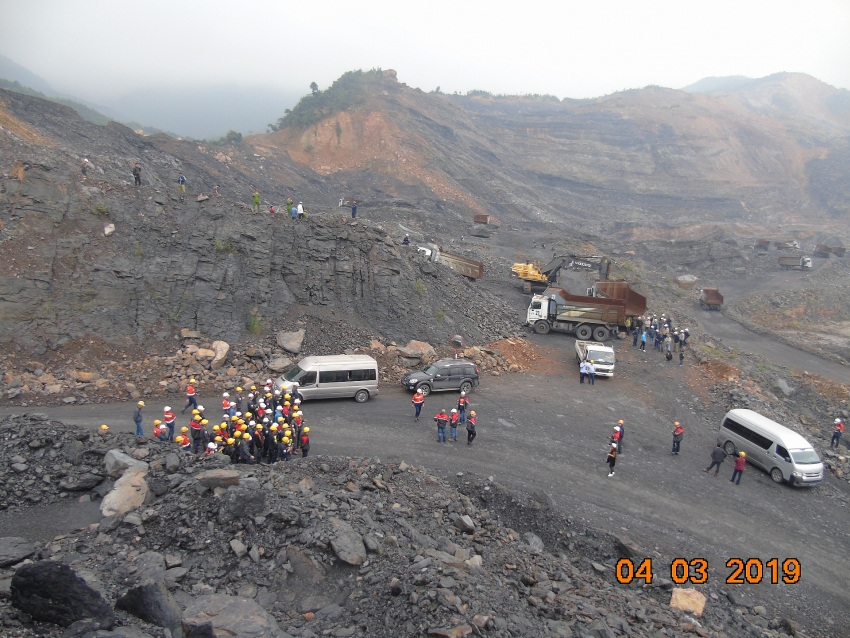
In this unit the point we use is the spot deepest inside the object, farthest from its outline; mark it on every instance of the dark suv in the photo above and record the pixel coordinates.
(446, 374)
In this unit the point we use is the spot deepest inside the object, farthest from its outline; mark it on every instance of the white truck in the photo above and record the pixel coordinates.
(601, 355)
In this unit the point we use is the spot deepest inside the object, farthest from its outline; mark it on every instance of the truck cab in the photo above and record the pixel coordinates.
(602, 356)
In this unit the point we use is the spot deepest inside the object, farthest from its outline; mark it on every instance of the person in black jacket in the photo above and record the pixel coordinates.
(612, 459)
(137, 174)
(718, 455)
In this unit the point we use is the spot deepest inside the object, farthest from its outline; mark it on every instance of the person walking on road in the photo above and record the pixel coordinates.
(591, 372)
(169, 418)
(612, 459)
(678, 435)
(137, 417)
(718, 455)
(470, 428)
(192, 400)
(838, 430)
(418, 402)
(442, 420)
(740, 464)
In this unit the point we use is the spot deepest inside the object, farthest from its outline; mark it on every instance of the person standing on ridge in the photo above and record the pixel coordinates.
(181, 184)
(255, 201)
(137, 418)
(354, 210)
(85, 168)
(838, 430)
(678, 435)
(289, 206)
(137, 174)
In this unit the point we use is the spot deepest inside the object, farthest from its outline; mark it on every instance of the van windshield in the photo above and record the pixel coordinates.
(295, 374)
(605, 358)
(805, 457)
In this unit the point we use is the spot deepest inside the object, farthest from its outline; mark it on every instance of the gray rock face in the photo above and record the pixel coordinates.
(117, 462)
(232, 616)
(154, 604)
(172, 462)
(14, 550)
(304, 566)
(347, 543)
(73, 451)
(52, 592)
(239, 502)
(150, 567)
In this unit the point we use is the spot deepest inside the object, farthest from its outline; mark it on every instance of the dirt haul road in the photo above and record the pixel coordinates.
(546, 434)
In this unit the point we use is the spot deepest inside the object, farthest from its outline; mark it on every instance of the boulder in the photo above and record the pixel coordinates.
(304, 566)
(231, 616)
(279, 364)
(291, 341)
(689, 600)
(108, 229)
(14, 549)
(150, 567)
(218, 478)
(628, 548)
(187, 333)
(80, 482)
(347, 543)
(239, 502)
(238, 548)
(117, 463)
(534, 541)
(204, 353)
(172, 462)
(128, 493)
(73, 452)
(52, 592)
(419, 348)
(153, 603)
(221, 348)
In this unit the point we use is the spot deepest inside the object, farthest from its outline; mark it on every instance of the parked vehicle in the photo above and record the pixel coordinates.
(354, 376)
(459, 375)
(602, 356)
(780, 452)
(710, 299)
(795, 263)
(597, 315)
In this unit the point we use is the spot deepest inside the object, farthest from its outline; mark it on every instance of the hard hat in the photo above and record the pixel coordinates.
(287, 402)
(306, 430)
(253, 387)
(472, 413)
(273, 428)
(197, 417)
(240, 422)
(277, 392)
(288, 432)
(620, 422)
(238, 389)
(591, 360)
(196, 411)
(299, 413)
(247, 415)
(218, 439)
(157, 422)
(104, 427)
(265, 419)
(204, 421)
(250, 395)
(211, 445)
(742, 454)
(286, 439)
(226, 394)
(141, 404)
(179, 439)
(616, 428)
(238, 414)
(463, 394)
(201, 408)
(268, 381)
(216, 428)
(252, 423)
(675, 423)
(184, 429)
(192, 381)
(268, 394)
(167, 408)
(232, 404)
(454, 410)
(837, 421)
(237, 434)
(297, 401)
(280, 419)
(262, 404)
(287, 396)
(231, 441)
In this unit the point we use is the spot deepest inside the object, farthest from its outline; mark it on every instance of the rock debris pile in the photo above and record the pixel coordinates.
(324, 546)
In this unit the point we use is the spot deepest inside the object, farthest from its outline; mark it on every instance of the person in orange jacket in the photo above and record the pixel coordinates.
(462, 404)
(442, 420)
(418, 402)
(678, 435)
(192, 400)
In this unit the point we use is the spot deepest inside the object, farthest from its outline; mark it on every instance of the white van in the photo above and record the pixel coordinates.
(332, 377)
(781, 452)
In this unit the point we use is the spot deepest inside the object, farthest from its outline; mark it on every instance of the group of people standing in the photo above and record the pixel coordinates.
(659, 332)
(457, 417)
(293, 210)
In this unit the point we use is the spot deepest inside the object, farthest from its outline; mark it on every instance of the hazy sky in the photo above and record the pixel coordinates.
(103, 49)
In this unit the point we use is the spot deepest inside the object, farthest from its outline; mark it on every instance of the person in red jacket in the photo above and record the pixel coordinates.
(678, 435)
(455, 419)
(418, 402)
(192, 400)
(740, 464)
(169, 418)
(442, 420)
(471, 422)
(305, 442)
(838, 430)
(462, 404)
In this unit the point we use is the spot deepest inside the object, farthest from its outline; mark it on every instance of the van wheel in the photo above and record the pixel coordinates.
(425, 389)
(730, 448)
(776, 475)
(362, 396)
(584, 332)
(466, 386)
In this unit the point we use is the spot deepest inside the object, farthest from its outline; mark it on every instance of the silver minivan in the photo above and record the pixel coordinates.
(781, 452)
(331, 377)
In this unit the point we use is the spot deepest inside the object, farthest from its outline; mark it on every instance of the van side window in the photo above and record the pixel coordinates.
(746, 433)
(781, 451)
(362, 375)
(333, 376)
(309, 378)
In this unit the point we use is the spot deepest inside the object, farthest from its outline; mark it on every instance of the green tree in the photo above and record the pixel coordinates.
(314, 88)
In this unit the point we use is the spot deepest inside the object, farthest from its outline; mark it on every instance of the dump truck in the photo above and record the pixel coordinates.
(597, 315)
(602, 356)
(710, 299)
(795, 263)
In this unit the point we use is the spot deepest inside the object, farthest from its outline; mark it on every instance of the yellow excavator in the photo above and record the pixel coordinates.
(532, 273)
